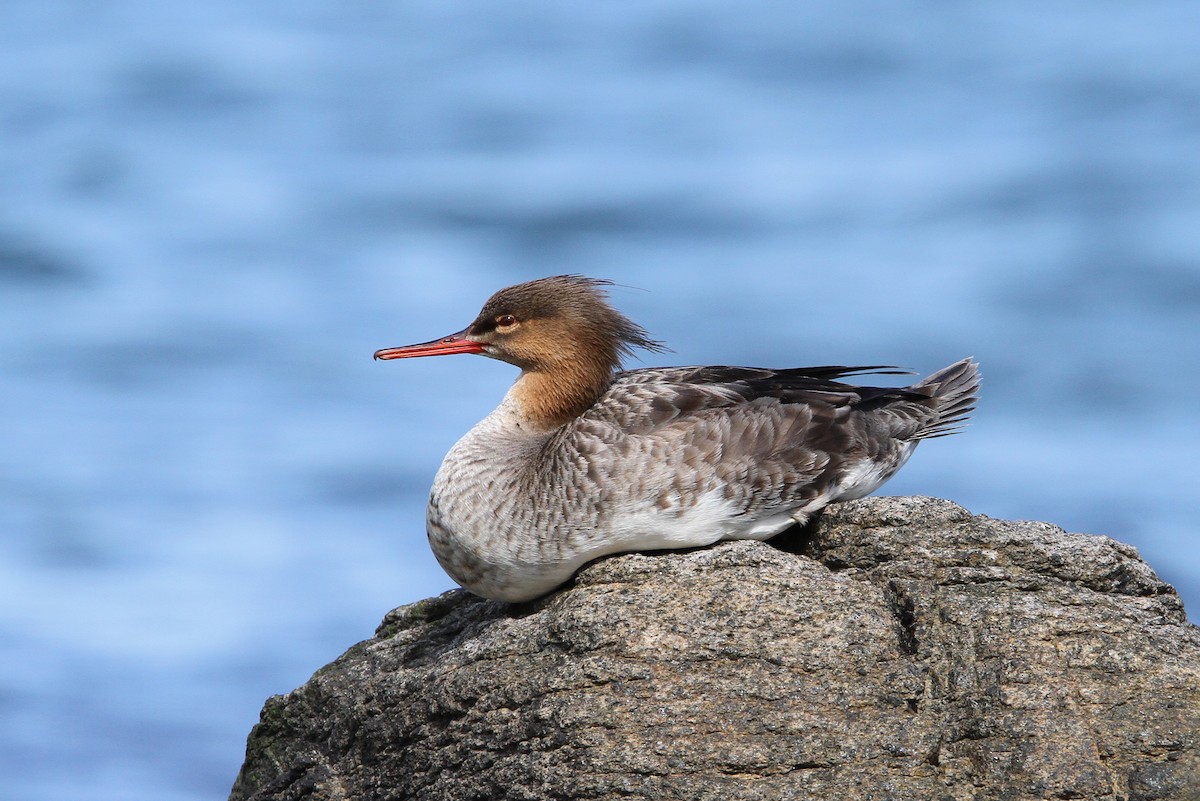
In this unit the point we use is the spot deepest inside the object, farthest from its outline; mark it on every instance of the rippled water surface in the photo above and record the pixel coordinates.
(213, 213)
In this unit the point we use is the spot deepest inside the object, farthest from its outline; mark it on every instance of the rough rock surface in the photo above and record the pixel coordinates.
(899, 648)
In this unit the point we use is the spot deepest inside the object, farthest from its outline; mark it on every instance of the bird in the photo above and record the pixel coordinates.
(583, 459)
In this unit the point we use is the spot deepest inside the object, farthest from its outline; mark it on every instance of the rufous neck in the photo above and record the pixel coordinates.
(550, 399)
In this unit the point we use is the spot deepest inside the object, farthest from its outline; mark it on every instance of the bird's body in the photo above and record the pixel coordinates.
(580, 461)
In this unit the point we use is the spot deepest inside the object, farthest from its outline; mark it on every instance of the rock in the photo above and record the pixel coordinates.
(898, 648)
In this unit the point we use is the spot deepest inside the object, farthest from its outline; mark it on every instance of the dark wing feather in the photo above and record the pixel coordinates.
(643, 399)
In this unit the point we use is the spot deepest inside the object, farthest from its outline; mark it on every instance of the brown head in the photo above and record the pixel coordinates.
(562, 333)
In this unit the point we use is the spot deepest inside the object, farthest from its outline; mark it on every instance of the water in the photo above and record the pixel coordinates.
(214, 213)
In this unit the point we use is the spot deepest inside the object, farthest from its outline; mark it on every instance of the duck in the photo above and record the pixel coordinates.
(584, 459)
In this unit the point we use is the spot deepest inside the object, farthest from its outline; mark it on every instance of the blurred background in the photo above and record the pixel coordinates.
(211, 214)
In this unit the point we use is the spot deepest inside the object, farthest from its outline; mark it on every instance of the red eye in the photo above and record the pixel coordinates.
(505, 320)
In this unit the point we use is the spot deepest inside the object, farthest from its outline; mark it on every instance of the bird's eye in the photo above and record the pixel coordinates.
(506, 321)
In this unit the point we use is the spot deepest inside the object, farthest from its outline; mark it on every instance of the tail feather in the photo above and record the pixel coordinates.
(953, 392)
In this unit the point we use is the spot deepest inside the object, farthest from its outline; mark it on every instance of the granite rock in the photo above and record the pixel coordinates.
(897, 648)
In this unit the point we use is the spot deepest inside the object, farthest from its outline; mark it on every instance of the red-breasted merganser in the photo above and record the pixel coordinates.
(582, 459)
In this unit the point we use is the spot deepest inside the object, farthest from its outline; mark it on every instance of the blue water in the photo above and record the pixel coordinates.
(211, 214)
